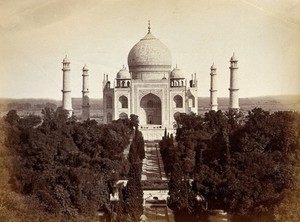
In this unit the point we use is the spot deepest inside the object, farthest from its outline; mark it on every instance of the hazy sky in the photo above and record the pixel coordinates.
(35, 36)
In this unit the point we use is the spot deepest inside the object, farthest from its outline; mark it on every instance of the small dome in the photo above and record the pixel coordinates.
(66, 60)
(233, 58)
(176, 74)
(123, 74)
(149, 54)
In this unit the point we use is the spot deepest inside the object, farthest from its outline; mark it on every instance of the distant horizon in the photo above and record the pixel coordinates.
(221, 97)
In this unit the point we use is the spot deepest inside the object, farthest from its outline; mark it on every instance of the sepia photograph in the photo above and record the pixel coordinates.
(141, 111)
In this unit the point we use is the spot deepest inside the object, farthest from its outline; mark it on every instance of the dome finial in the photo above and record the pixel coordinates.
(149, 27)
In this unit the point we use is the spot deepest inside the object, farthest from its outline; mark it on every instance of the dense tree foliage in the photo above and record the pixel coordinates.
(65, 167)
(245, 165)
(130, 204)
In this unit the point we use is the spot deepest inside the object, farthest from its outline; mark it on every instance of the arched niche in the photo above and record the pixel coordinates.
(123, 102)
(150, 109)
(123, 116)
(178, 101)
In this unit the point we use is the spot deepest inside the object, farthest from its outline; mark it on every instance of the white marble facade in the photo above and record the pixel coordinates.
(150, 89)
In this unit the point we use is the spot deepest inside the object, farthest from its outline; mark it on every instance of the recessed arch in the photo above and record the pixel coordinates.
(178, 101)
(123, 116)
(150, 112)
(123, 102)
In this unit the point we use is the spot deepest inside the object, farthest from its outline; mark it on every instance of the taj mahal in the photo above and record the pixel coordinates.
(150, 88)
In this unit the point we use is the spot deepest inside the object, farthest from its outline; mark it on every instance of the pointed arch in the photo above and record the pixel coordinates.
(150, 109)
(178, 101)
(123, 102)
(123, 116)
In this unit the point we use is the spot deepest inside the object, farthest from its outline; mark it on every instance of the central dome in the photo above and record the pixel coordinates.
(149, 55)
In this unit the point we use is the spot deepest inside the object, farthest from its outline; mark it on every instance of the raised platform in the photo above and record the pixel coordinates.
(155, 132)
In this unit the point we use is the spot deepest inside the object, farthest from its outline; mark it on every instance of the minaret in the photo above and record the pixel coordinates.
(213, 89)
(85, 94)
(234, 88)
(66, 91)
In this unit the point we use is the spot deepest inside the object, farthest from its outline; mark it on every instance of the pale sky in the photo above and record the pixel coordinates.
(35, 35)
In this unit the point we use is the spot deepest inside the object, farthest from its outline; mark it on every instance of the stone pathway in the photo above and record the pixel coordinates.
(153, 168)
(155, 204)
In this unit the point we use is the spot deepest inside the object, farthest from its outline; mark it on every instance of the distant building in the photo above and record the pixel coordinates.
(150, 89)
